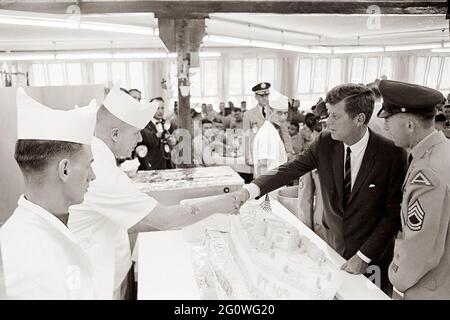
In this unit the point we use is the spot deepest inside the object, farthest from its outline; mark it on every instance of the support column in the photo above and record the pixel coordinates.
(183, 36)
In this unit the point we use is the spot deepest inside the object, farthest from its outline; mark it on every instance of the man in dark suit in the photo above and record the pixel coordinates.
(361, 175)
(158, 140)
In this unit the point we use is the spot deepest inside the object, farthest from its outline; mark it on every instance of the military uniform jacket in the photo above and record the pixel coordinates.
(421, 265)
(371, 220)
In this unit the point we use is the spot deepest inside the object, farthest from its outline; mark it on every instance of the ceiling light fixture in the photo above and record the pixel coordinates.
(26, 57)
(357, 50)
(440, 50)
(58, 21)
(424, 46)
(227, 40)
(83, 56)
(121, 28)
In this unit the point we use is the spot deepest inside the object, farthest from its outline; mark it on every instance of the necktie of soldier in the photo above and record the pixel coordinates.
(347, 177)
(410, 159)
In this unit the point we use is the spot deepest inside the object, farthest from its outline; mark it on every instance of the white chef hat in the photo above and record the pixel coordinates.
(278, 101)
(129, 110)
(38, 122)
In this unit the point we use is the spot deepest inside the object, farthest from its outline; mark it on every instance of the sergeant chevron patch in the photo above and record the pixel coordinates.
(416, 216)
(421, 179)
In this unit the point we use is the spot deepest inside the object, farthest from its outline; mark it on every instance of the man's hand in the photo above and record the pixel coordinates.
(248, 162)
(239, 198)
(171, 141)
(355, 265)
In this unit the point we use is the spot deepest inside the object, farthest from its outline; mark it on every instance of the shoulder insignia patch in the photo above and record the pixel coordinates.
(416, 216)
(421, 179)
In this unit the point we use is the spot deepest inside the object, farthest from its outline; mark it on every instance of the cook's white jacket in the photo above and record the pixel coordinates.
(111, 206)
(42, 259)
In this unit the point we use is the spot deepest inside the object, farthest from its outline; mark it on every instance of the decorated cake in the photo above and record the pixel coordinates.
(263, 257)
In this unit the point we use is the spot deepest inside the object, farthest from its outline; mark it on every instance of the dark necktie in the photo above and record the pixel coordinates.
(410, 159)
(347, 177)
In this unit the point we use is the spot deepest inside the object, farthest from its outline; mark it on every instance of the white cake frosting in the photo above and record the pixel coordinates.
(263, 257)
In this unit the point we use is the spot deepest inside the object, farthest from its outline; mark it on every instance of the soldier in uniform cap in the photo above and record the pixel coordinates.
(421, 265)
(254, 118)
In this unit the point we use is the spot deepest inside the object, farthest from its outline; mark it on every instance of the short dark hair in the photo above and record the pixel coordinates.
(440, 118)
(217, 120)
(205, 121)
(446, 106)
(33, 156)
(358, 99)
(157, 99)
(295, 124)
(310, 120)
(137, 90)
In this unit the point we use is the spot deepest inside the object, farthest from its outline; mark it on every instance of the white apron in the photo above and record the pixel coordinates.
(268, 146)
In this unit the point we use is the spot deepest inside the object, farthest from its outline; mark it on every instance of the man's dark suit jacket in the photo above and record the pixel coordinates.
(156, 158)
(371, 219)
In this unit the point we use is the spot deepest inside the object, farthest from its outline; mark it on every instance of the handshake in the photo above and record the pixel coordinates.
(228, 203)
(239, 198)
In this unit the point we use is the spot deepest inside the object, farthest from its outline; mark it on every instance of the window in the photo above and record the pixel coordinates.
(136, 71)
(56, 74)
(194, 78)
(372, 69)
(445, 78)
(100, 73)
(320, 75)
(268, 70)
(419, 74)
(235, 77)
(386, 67)
(250, 74)
(38, 75)
(119, 74)
(335, 73)
(304, 76)
(357, 70)
(433, 72)
(174, 78)
(210, 68)
(74, 75)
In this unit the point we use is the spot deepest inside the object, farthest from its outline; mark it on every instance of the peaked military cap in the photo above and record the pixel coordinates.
(261, 88)
(402, 97)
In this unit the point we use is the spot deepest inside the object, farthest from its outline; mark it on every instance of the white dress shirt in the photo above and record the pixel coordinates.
(357, 154)
(42, 259)
(111, 206)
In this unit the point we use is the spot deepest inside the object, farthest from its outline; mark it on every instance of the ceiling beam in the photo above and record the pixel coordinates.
(198, 9)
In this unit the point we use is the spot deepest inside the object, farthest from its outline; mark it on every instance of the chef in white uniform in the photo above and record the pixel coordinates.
(42, 259)
(268, 149)
(113, 204)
